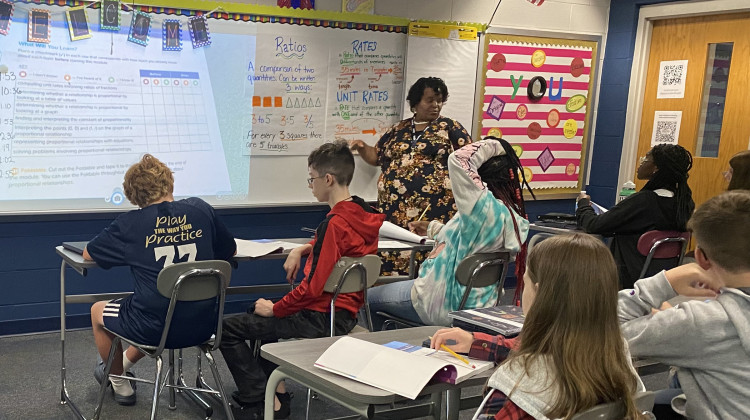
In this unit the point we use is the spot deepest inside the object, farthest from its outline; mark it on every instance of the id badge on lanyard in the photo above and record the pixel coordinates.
(414, 137)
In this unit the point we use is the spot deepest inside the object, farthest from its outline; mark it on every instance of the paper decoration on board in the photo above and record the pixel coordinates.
(495, 110)
(296, 4)
(545, 159)
(39, 26)
(171, 39)
(536, 2)
(358, 6)
(546, 127)
(139, 27)
(109, 15)
(6, 15)
(199, 31)
(439, 30)
(666, 127)
(78, 23)
(672, 75)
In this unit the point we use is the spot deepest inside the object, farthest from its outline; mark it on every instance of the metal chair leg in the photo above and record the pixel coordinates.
(219, 384)
(157, 388)
(307, 407)
(105, 380)
(170, 378)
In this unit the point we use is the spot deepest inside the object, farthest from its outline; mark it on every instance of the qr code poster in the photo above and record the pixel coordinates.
(672, 76)
(666, 127)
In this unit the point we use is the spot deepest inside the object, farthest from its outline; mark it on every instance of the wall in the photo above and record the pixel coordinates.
(30, 269)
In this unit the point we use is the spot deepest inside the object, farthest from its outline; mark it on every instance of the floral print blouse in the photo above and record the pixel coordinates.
(414, 175)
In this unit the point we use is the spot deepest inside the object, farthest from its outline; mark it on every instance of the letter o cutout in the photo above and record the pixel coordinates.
(537, 88)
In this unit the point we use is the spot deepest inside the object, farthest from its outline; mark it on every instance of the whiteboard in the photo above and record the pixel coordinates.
(454, 61)
(235, 120)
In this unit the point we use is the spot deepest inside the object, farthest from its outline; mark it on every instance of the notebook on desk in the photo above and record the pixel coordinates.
(76, 247)
(504, 320)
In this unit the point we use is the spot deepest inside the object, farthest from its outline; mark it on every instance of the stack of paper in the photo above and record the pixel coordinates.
(396, 367)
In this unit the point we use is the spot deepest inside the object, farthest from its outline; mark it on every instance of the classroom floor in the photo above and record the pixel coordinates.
(30, 383)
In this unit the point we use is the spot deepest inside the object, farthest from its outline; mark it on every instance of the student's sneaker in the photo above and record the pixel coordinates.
(257, 408)
(248, 411)
(120, 399)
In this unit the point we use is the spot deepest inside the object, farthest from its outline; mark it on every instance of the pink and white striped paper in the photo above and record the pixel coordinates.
(552, 159)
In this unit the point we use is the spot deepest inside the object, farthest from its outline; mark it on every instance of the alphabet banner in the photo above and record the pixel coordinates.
(536, 96)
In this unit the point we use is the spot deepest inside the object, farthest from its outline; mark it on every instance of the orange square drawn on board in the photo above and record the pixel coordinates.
(267, 101)
(278, 102)
(256, 100)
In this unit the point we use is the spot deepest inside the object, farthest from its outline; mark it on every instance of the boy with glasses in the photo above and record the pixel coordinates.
(349, 230)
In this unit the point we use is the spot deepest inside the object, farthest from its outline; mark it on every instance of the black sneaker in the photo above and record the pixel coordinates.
(99, 375)
(120, 399)
(283, 413)
(286, 406)
(248, 412)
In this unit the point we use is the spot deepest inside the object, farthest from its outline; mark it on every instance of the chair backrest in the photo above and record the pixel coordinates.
(349, 275)
(194, 281)
(482, 270)
(644, 401)
(346, 274)
(662, 244)
(538, 237)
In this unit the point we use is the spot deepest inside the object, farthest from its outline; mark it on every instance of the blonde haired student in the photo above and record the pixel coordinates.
(142, 240)
(570, 355)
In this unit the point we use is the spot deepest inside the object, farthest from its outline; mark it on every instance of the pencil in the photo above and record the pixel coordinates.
(424, 212)
(456, 355)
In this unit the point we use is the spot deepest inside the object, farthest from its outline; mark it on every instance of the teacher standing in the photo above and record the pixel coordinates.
(413, 158)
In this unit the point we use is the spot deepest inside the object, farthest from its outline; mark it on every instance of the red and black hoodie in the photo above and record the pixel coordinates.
(349, 230)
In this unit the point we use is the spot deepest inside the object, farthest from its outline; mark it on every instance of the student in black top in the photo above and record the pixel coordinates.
(664, 203)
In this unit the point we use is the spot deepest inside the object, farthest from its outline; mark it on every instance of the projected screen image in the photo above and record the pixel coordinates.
(233, 110)
(76, 116)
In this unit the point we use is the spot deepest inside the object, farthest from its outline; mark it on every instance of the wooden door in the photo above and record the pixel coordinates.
(695, 39)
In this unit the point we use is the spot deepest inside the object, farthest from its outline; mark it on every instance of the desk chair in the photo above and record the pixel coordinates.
(188, 281)
(538, 237)
(350, 275)
(477, 270)
(662, 244)
(644, 401)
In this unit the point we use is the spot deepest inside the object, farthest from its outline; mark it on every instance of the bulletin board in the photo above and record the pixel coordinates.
(547, 124)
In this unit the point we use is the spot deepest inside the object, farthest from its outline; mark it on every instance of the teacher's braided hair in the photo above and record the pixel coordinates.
(504, 177)
(673, 162)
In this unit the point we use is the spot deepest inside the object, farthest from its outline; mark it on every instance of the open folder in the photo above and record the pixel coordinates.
(401, 368)
(389, 230)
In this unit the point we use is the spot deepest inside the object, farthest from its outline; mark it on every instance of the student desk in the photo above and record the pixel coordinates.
(81, 266)
(296, 358)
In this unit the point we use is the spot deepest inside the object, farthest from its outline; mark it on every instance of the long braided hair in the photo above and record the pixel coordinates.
(673, 162)
(504, 177)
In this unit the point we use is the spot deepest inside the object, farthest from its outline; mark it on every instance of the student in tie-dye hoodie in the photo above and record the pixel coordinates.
(491, 217)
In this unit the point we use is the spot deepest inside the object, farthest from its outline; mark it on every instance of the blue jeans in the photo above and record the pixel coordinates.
(393, 298)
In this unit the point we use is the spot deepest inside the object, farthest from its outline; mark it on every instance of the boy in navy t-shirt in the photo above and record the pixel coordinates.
(160, 233)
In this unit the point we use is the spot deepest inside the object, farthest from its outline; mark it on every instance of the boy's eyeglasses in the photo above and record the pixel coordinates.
(310, 180)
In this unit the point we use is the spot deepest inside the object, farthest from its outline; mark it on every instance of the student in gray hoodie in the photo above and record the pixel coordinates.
(708, 341)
